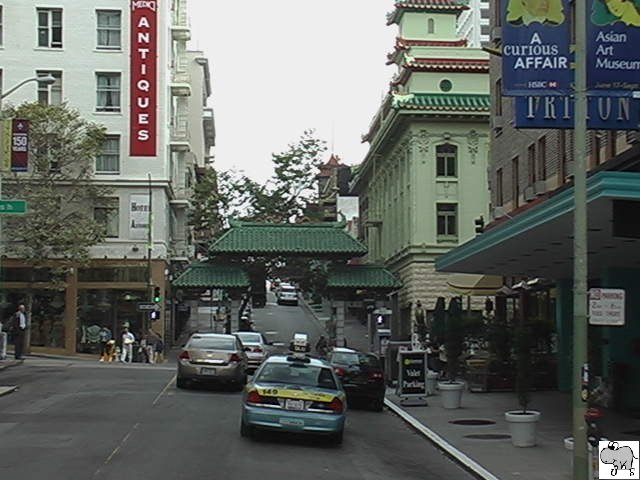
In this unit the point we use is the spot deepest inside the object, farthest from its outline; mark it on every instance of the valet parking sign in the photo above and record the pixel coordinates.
(536, 53)
(144, 78)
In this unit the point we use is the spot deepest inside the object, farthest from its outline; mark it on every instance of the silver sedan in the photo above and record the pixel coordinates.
(212, 358)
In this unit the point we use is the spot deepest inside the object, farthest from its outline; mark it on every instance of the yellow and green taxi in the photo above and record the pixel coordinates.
(294, 393)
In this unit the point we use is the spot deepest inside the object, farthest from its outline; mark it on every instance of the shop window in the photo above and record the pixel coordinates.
(47, 319)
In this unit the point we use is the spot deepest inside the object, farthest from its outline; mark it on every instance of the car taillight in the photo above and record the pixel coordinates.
(184, 355)
(336, 405)
(235, 358)
(375, 376)
(339, 371)
(254, 397)
(257, 350)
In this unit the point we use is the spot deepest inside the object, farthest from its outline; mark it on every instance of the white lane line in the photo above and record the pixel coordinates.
(117, 449)
(166, 387)
(271, 332)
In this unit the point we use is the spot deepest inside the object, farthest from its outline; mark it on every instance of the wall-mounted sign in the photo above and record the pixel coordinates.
(613, 36)
(604, 113)
(606, 306)
(19, 145)
(144, 78)
(139, 217)
(535, 48)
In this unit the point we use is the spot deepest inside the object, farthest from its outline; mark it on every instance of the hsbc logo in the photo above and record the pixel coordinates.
(148, 4)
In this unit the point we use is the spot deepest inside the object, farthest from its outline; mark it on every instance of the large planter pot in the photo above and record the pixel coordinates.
(432, 382)
(522, 426)
(451, 394)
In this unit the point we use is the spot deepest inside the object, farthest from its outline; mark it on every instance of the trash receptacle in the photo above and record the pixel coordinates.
(593, 457)
(3, 345)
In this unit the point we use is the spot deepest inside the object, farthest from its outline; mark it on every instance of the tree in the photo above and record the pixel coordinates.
(204, 217)
(60, 224)
(454, 337)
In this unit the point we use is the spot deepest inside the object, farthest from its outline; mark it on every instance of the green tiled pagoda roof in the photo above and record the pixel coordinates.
(443, 102)
(287, 239)
(362, 276)
(438, 6)
(210, 275)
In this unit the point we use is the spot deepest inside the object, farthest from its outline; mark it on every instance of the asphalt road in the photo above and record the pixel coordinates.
(84, 420)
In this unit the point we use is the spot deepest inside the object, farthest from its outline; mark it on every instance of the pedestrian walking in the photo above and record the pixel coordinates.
(19, 328)
(322, 346)
(127, 346)
(104, 335)
(158, 351)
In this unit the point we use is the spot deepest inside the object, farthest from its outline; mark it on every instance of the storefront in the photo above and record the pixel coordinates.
(65, 318)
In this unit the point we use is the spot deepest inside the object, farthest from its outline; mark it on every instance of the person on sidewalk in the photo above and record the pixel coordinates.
(127, 346)
(322, 346)
(19, 329)
(104, 335)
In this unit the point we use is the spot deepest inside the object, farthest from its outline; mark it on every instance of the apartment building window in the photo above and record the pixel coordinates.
(562, 150)
(542, 158)
(446, 160)
(498, 97)
(497, 13)
(447, 219)
(431, 26)
(499, 186)
(612, 139)
(531, 163)
(108, 162)
(50, 94)
(515, 179)
(1, 29)
(109, 29)
(49, 27)
(107, 214)
(108, 89)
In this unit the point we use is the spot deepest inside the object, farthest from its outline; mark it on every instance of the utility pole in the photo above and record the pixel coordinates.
(149, 244)
(580, 271)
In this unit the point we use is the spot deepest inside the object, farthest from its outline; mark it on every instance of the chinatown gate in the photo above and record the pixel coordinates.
(229, 266)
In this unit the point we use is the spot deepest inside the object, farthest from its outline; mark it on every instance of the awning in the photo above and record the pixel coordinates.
(470, 284)
(362, 276)
(209, 275)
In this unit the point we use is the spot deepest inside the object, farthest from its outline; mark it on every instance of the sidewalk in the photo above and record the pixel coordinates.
(492, 456)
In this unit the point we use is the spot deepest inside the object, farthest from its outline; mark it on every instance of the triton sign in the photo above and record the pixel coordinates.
(144, 78)
(604, 113)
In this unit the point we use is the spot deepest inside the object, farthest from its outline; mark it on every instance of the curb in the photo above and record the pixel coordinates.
(8, 389)
(8, 364)
(465, 461)
(310, 311)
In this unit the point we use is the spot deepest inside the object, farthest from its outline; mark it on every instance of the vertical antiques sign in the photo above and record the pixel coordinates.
(139, 214)
(144, 78)
(613, 37)
(536, 47)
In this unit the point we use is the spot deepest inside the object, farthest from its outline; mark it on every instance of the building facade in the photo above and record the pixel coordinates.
(473, 23)
(125, 66)
(424, 178)
(529, 239)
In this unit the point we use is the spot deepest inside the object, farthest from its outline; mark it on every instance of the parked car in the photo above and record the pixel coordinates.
(287, 294)
(362, 376)
(294, 393)
(258, 347)
(212, 358)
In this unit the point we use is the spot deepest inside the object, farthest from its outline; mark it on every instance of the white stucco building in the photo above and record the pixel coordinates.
(123, 64)
(473, 24)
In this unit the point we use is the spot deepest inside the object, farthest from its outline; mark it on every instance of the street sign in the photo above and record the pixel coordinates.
(148, 307)
(13, 207)
(606, 306)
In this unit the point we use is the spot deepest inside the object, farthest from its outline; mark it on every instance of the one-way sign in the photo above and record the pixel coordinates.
(148, 307)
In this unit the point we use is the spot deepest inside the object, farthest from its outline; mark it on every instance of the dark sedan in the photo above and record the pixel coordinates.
(362, 376)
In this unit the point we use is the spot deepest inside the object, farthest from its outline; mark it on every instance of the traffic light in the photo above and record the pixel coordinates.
(156, 295)
(479, 222)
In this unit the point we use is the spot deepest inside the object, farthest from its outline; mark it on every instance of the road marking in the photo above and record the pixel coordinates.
(117, 449)
(271, 332)
(166, 387)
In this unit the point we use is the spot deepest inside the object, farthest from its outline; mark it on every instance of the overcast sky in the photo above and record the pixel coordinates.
(282, 66)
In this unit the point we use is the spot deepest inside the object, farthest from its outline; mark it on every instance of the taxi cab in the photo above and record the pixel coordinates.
(294, 393)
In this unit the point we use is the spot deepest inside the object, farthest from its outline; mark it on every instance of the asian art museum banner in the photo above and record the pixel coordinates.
(535, 47)
(613, 48)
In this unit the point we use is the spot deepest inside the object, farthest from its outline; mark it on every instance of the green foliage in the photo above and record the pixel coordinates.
(524, 369)
(454, 337)
(438, 327)
(204, 217)
(60, 221)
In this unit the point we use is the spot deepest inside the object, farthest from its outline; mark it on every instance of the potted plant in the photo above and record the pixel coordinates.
(451, 390)
(522, 422)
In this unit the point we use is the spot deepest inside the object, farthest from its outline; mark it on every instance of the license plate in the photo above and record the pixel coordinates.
(291, 404)
(207, 371)
(292, 422)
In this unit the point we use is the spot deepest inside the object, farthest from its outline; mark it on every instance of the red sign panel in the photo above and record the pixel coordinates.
(19, 145)
(144, 77)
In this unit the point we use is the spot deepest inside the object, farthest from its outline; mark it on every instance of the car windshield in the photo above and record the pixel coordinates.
(212, 343)
(297, 374)
(349, 358)
(249, 337)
